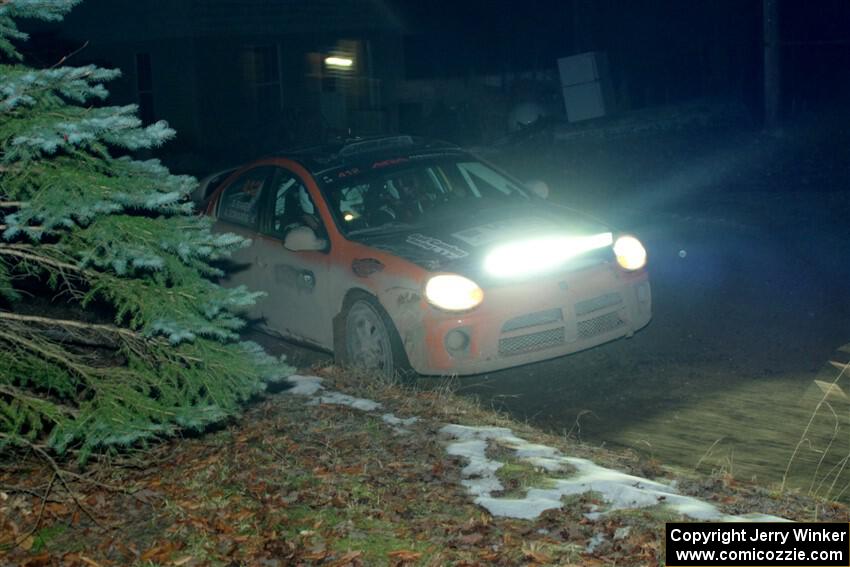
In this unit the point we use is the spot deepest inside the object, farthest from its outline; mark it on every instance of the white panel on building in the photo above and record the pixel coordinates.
(584, 83)
(578, 69)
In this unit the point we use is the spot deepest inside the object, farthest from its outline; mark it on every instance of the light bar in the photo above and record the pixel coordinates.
(341, 62)
(538, 255)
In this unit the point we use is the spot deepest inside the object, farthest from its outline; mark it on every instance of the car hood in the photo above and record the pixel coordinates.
(458, 241)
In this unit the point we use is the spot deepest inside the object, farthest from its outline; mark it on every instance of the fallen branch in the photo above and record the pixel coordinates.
(58, 473)
(109, 487)
(40, 511)
(24, 490)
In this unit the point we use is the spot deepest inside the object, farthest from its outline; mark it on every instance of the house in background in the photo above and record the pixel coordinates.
(238, 78)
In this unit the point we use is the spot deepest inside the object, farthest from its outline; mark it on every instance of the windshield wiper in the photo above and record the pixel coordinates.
(390, 226)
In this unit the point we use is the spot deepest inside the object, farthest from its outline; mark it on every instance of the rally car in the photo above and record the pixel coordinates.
(401, 253)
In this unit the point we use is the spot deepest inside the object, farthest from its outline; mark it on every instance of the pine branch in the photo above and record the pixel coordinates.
(66, 57)
(6, 250)
(133, 340)
(69, 323)
(13, 392)
(109, 232)
(35, 228)
(46, 353)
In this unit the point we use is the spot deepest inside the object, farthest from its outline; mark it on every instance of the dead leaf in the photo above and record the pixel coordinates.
(535, 554)
(158, 553)
(471, 539)
(318, 555)
(347, 559)
(183, 561)
(56, 508)
(404, 555)
(189, 504)
(244, 514)
(40, 560)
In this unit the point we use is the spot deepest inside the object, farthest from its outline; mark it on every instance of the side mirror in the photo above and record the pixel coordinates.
(538, 187)
(303, 238)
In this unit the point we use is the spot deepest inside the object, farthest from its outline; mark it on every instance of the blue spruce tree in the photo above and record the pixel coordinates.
(145, 342)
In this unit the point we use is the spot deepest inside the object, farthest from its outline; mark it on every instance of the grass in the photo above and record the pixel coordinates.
(43, 537)
(517, 475)
(326, 484)
(833, 396)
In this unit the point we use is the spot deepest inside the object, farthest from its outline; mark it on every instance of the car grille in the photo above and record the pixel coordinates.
(597, 303)
(532, 342)
(599, 325)
(587, 326)
(533, 319)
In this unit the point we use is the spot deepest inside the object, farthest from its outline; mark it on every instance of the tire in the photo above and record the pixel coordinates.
(371, 341)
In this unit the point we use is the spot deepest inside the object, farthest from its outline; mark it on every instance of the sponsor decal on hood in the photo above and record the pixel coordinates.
(501, 230)
(437, 246)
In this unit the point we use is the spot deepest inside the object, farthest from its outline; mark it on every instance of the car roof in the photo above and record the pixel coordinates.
(324, 158)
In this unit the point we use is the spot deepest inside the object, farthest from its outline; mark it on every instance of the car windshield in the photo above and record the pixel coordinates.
(411, 193)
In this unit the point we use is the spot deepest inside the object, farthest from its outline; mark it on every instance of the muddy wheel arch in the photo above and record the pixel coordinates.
(400, 353)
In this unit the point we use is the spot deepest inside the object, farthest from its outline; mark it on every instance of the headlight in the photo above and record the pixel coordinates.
(537, 255)
(453, 293)
(631, 255)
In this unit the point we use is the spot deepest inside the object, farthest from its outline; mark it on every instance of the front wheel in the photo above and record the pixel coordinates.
(371, 340)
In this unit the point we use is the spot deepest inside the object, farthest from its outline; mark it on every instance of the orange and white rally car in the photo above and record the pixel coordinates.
(399, 252)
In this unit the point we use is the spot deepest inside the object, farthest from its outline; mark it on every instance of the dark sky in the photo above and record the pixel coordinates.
(659, 51)
(455, 38)
(689, 39)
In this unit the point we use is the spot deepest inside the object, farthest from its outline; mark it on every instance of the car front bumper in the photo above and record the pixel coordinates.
(533, 321)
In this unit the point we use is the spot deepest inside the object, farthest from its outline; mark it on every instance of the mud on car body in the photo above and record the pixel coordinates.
(398, 253)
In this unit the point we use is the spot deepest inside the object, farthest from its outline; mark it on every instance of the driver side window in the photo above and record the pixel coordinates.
(292, 207)
(240, 203)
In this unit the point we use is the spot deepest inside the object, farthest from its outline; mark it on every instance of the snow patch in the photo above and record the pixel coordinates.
(304, 385)
(391, 419)
(527, 508)
(398, 424)
(595, 541)
(310, 385)
(619, 490)
(340, 399)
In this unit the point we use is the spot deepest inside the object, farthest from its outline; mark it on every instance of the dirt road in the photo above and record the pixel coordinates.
(745, 315)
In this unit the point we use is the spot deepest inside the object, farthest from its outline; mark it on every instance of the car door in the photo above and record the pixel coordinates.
(297, 281)
(239, 211)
